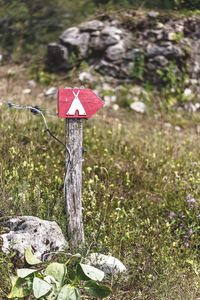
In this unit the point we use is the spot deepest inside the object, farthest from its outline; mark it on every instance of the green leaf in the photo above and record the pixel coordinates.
(30, 257)
(40, 287)
(69, 292)
(22, 273)
(19, 288)
(96, 290)
(57, 270)
(92, 272)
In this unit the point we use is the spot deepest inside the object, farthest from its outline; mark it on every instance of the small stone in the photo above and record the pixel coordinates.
(86, 76)
(27, 91)
(115, 107)
(187, 92)
(108, 264)
(32, 83)
(177, 128)
(139, 107)
(52, 92)
(198, 129)
(153, 14)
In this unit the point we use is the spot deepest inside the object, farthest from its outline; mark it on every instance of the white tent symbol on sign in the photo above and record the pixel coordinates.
(76, 106)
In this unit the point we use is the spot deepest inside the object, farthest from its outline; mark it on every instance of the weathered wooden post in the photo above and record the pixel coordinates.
(75, 105)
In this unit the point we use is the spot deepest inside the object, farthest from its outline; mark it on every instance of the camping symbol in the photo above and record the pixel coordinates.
(76, 107)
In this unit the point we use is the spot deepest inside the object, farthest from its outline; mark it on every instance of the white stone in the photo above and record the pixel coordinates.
(108, 264)
(187, 92)
(52, 92)
(116, 107)
(86, 76)
(40, 235)
(138, 107)
(27, 91)
(177, 128)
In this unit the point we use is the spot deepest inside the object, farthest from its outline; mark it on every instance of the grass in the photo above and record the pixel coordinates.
(138, 176)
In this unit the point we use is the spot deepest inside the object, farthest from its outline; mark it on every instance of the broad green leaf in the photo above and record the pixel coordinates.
(92, 272)
(22, 273)
(30, 257)
(69, 292)
(19, 288)
(40, 287)
(57, 270)
(96, 290)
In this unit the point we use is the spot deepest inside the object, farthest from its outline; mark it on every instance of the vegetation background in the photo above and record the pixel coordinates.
(140, 178)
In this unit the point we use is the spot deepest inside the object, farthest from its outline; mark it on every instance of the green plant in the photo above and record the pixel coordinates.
(138, 65)
(56, 281)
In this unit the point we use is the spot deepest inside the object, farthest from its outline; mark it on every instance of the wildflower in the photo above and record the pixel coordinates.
(181, 224)
(182, 216)
(198, 217)
(121, 198)
(191, 207)
(195, 162)
(186, 244)
(118, 208)
(188, 197)
(171, 215)
(186, 236)
(190, 231)
(192, 200)
(178, 176)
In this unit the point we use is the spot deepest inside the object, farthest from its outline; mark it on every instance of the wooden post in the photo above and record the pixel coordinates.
(73, 202)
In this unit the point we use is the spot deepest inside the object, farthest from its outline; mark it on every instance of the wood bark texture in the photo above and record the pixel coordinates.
(73, 193)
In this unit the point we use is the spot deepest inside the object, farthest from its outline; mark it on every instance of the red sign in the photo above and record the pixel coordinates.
(77, 103)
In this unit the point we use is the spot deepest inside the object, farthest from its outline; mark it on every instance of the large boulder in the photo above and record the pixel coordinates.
(40, 235)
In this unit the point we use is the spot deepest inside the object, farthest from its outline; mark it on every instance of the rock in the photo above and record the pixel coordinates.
(198, 129)
(160, 60)
(93, 25)
(108, 36)
(177, 128)
(115, 52)
(153, 14)
(108, 264)
(138, 107)
(32, 83)
(52, 92)
(169, 51)
(86, 76)
(187, 92)
(107, 68)
(58, 57)
(40, 235)
(115, 107)
(74, 38)
(109, 99)
(27, 91)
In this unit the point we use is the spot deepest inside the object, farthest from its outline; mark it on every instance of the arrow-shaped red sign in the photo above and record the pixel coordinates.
(77, 103)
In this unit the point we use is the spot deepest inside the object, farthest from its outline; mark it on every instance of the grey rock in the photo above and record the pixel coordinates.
(108, 264)
(93, 25)
(160, 60)
(40, 235)
(115, 52)
(72, 37)
(139, 107)
(27, 91)
(58, 57)
(169, 51)
(107, 68)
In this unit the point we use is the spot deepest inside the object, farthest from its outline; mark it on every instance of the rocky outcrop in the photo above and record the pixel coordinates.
(40, 235)
(142, 48)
